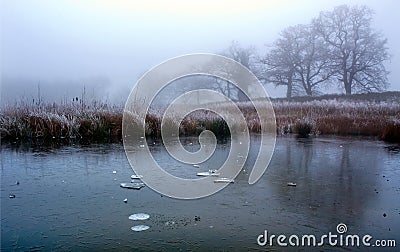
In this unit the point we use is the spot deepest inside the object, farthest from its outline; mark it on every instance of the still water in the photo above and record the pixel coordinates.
(69, 198)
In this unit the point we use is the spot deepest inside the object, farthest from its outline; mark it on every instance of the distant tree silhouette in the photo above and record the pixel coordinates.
(356, 50)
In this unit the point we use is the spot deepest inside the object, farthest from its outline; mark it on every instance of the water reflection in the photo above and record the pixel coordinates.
(337, 180)
(75, 202)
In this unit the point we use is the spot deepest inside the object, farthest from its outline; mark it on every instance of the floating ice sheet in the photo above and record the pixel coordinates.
(134, 176)
(136, 186)
(139, 228)
(224, 180)
(139, 216)
(213, 173)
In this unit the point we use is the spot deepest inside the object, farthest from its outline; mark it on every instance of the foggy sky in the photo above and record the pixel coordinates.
(108, 45)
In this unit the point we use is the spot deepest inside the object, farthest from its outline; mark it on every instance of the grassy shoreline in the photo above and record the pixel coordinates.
(376, 115)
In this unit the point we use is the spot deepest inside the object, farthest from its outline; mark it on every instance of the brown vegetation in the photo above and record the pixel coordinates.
(306, 117)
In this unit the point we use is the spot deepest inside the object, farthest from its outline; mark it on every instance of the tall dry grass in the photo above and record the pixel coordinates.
(367, 118)
(103, 122)
(98, 121)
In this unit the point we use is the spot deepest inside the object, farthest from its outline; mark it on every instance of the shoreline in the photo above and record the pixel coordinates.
(374, 115)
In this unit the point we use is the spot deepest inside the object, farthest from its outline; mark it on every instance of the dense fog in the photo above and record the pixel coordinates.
(60, 50)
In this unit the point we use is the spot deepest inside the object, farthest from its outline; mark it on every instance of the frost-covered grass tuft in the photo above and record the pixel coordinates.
(103, 122)
(391, 133)
(53, 121)
(367, 118)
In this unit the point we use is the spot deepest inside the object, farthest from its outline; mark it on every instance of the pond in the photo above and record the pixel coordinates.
(69, 197)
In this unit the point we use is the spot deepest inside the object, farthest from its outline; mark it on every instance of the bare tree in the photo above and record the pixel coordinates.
(357, 51)
(281, 61)
(299, 59)
(245, 56)
(225, 87)
(313, 65)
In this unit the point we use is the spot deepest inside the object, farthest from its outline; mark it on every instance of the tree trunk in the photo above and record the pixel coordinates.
(290, 85)
(308, 89)
(229, 89)
(242, 95)
(346, 80)
(347, 87)
(289, 89)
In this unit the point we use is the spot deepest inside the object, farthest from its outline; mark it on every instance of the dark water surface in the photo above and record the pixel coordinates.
(68, 198)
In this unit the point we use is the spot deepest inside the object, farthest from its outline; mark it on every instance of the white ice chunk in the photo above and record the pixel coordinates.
(139, 216)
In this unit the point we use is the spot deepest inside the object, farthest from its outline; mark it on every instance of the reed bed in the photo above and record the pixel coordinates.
(338, 117)
(103, 122)
(95, 122)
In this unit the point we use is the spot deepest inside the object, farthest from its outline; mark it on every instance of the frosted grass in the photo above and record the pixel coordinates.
(99, 121)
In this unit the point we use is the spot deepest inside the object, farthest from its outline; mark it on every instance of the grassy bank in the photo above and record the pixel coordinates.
(362, 115)
(95, 122)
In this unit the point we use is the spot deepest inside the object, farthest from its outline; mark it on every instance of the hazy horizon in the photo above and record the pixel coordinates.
(107, 45)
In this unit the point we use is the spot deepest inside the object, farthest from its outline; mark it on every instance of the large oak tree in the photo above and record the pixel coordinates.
(357, 51)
